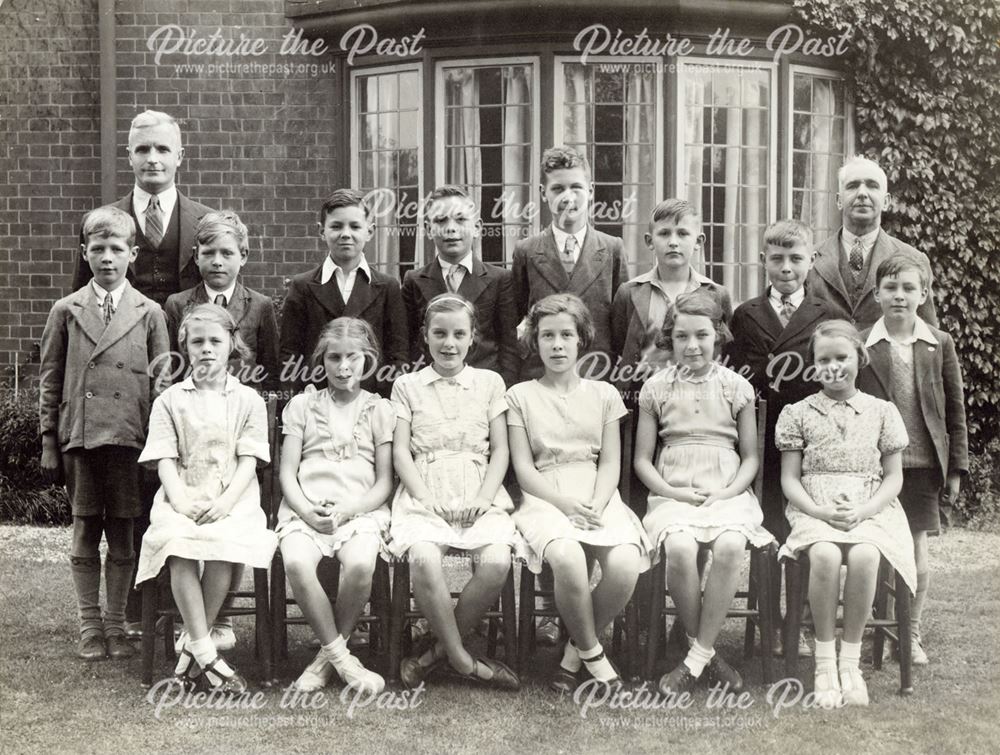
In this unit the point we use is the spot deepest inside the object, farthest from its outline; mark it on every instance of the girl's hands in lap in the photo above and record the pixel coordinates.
(694, 496)
(582, 515)
(469, 516)
(321, 519)
(213, 511)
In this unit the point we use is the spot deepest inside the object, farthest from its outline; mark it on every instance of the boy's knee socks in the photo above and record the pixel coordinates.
(86, 572)
(117, 582)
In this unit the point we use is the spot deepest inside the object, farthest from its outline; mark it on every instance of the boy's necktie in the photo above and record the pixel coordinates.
(220, 299)
(154, 224)
(109, 308)
(567, 254)
(453, 279)
(787, 309)
(857, 257)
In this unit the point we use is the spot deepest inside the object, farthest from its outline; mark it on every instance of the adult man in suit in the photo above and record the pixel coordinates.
(164, 217)
(844, 271)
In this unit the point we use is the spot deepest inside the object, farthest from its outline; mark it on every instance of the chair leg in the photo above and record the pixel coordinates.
(903, 618)
(525, 635)
(657, 586)
(509, 610)
(765, 611)
(753, 603)
(793, 615)
(279, 611)
(633, 661)
(379, 630)
(400, 597)
(880, 611)
(148, 630)
(263, 626)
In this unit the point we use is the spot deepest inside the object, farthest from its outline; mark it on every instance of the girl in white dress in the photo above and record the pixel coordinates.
(450, 452)
(565, 446)
(702, 414)
(207, 435)
(336, 479)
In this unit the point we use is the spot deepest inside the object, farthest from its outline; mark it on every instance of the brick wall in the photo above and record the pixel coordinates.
(258, 141)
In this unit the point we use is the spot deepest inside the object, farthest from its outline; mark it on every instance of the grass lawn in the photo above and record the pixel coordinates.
(51, 702)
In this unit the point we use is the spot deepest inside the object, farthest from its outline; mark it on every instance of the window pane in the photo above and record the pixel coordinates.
(389, 134)
(728, 169)
(487, 135)
(818, 150)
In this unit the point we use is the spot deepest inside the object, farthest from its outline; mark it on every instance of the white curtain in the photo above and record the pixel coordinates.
(464, 166)
(516, 169)
(638, 130)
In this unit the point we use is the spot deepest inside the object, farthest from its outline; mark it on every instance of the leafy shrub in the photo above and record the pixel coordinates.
(979, 504)
(25, 497)
(925, 78)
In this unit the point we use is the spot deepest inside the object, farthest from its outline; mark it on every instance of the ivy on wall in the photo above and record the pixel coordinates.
(925, 79)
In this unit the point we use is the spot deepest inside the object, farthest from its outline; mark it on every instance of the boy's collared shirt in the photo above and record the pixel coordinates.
(345, 282)
(464, 266)
(116, 294)
(228, 293)
(140, 201)
(561, 236)
(774, 297)
(903, 348)
(660, 302)
(867, 243)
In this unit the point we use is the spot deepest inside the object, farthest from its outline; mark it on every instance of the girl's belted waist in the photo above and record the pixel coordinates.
(563, 464)
(696, 441)
(429, 457)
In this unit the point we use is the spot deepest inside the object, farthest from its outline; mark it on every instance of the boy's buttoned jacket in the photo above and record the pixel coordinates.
(98, 382)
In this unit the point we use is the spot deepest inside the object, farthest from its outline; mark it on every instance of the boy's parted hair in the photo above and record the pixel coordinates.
(698, 303)
(839, 329)
(563, 158)
(109, 221)
(343, 198)
(220, 316)
(352, 328)
(674, 210)
(788, 234)
(215, 224)
(556, 304)
(451, 302)
(447, 190)
(900, 262)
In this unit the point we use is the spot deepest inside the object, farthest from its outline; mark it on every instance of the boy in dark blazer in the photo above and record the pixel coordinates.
(453, 223)
(221, 250)
(342, 286)
(103, 362)
(569, 257)
(915, 366)
(770, 345)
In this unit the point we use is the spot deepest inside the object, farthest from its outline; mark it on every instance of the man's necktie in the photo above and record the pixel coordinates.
(109, 308)
(568, 262)
(857, 257)
(220, 299)
(787, 309)
(453, 280)
(154, 223)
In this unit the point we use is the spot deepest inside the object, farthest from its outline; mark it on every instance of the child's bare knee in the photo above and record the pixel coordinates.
(565, 557)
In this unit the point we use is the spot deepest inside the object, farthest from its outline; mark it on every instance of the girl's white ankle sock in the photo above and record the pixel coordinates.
(597, 664)
(850, 655)
(697, 658)
(335, 651)
(571, 658)
(826, 655)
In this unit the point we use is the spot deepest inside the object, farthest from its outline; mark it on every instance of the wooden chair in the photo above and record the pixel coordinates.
(376, 618)
(626, 626)
(884, 625)
(405, 613)
(159, 610)
(760, 599)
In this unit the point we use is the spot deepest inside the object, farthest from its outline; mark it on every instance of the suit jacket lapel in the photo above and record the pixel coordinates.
(641, 295)
(590, 263)
(362, 295)
(86, 312)
(880, 251)
(327, 294)
(827, 266)
(881, 364)
(188, 220)
(546, 259)
(239, 304)
(764, 316)
(809, 312)
(131, 309)
(925, 360)
(473, 285)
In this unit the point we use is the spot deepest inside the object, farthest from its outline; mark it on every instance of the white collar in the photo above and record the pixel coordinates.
(464, 378)
(167, 197)
(653, 276)
(231, 384)
(330, 268)
(561, 236)
(465, 262)
(797, 297)
(921, 332)
(867, 241)
(116, 294)
(228, 293)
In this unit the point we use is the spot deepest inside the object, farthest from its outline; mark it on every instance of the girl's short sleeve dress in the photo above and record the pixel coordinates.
(842, 443)
(207, 432)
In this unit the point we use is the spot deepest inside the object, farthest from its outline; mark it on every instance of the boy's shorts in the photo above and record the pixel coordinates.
(103, 481)
(919, 497)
